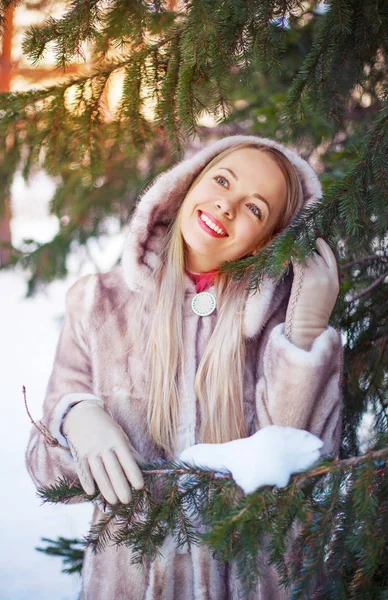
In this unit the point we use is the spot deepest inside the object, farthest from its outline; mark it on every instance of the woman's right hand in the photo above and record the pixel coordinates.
(102, 453)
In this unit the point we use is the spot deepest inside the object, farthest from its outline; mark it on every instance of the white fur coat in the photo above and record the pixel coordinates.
(283, 385)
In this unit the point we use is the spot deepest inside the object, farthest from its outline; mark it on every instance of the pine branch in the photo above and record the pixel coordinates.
(71, 551)
(210, 43)
(346, 35)
(4, 4)
(198, 506)
(345, 203)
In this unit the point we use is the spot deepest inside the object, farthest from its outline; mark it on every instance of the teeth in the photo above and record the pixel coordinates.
(210, 224)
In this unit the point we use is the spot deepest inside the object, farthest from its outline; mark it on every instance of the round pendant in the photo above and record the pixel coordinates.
(203, 304)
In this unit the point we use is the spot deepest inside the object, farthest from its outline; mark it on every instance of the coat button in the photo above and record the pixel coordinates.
(203, 304)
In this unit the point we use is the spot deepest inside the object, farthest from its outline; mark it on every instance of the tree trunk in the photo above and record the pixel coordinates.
(5, 81)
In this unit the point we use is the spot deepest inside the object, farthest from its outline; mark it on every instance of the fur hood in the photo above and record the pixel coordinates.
(159, 203)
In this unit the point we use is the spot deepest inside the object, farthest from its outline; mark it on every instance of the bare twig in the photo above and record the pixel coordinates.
(362, 260)
(369, 288)
(345, 463)
(51, 440)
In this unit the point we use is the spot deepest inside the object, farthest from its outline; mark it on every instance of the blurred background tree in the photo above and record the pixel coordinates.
(140, 82)
(15, 71)
(5, 80)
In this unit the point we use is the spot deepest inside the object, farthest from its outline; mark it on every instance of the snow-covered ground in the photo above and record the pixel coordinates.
(29, 330)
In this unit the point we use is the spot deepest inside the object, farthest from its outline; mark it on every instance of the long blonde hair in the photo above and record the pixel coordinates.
(220, 375)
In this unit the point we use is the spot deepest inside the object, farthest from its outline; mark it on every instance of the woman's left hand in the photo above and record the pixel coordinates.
(313, 295)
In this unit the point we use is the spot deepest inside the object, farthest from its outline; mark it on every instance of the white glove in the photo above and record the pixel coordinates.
(101, 451)
(313, 295)
(268, 457)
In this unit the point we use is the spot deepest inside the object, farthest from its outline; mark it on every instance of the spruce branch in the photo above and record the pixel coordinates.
(210, 43)
(4, 5)
(343, 44)
(303, 524)
(345, 204)
(71, 551)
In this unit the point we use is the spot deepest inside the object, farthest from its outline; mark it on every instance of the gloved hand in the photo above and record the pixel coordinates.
(102, 453)
(268, 457)
(313, 295)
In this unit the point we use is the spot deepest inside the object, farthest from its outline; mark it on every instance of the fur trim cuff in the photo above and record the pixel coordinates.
(61, 410)
(324, 344)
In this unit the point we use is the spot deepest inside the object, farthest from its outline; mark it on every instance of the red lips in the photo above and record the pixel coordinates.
(215, 221)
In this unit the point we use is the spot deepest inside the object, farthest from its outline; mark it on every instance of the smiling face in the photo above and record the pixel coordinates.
(232, 210)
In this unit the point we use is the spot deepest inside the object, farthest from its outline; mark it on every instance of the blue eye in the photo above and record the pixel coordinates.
(256, 211)
(218, 177)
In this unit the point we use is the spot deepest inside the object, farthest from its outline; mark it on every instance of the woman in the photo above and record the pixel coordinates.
(145, 367)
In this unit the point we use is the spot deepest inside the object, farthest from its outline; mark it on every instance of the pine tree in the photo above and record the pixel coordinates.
(310, 75)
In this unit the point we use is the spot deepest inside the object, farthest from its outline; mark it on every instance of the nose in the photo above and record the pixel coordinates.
(226, 207)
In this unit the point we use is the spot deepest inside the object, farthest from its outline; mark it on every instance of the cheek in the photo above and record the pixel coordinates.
(188, 211)
(189, 203)
(249, 232)
(188, 206)
(200, 194)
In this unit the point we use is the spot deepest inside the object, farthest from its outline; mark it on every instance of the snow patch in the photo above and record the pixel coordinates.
(269, 457)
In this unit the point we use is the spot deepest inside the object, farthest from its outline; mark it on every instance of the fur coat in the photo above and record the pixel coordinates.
(283, 385)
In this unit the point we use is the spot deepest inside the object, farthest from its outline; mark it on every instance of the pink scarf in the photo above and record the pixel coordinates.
(202, 280)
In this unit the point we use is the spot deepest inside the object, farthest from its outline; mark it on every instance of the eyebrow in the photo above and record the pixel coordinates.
(259, 196)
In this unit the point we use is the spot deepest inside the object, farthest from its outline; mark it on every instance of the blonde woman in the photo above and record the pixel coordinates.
(163, 351)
